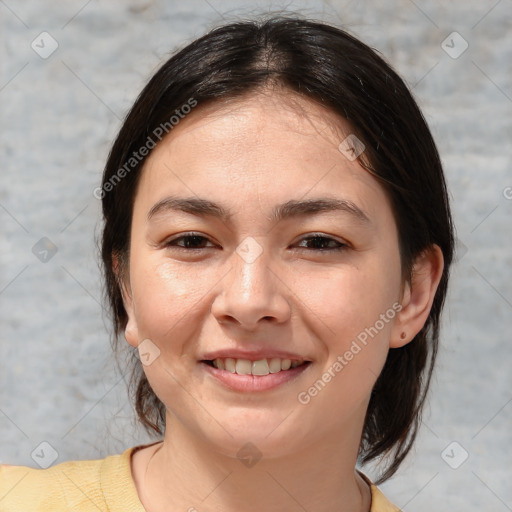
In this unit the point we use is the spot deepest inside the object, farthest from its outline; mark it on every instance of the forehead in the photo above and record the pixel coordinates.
(253, 120)
(265, 147)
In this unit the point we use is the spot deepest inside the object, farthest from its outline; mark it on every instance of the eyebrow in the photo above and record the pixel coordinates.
(293, 208)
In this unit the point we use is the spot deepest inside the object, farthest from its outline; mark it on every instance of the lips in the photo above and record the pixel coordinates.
(254, 369)
(252, 377)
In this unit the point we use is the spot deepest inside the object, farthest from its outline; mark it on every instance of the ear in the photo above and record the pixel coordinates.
(131, 332)
(418, 296)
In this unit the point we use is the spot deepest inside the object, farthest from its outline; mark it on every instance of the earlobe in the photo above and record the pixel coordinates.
(131, 330)
(418, 296)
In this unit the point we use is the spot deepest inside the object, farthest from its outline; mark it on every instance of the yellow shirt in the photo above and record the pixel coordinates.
(104, 485)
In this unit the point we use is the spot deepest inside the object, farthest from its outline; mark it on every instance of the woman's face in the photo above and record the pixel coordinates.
(254, 237)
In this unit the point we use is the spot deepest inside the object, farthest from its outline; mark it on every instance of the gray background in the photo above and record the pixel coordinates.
(58, 379)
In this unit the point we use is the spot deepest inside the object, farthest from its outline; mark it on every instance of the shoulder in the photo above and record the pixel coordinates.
(379, 502)
(73, 485)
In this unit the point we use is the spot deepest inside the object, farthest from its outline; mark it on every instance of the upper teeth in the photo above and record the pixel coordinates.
(260, 367)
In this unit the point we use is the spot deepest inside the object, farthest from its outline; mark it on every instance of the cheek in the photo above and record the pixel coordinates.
(350, 299)
(356, 312)
(165, 297)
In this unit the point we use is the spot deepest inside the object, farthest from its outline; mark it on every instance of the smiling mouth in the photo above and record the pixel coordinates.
(261, 367)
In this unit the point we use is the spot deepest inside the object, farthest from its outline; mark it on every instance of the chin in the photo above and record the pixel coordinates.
(262, 432)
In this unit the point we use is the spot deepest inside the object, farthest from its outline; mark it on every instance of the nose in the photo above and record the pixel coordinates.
(251, 293)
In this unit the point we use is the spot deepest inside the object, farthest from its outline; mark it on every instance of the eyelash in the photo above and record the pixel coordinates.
(316, 236)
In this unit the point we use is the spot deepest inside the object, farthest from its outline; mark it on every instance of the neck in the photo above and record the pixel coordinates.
(188, 474)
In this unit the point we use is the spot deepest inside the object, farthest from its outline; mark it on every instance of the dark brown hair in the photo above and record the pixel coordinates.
(330, 67)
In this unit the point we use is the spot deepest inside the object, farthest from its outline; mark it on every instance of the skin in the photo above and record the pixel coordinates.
(250, 155)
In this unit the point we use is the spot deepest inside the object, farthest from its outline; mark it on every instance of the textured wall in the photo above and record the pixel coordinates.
(59, 113)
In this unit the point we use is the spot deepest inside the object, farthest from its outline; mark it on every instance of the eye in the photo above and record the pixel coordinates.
(317, 242)
(188, 241)
(323, 243)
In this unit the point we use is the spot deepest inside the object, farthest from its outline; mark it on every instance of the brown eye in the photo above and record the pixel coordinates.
(323, 243)
(190, 241)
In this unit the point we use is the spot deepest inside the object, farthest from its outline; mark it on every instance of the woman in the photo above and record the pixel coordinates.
(277, 242)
